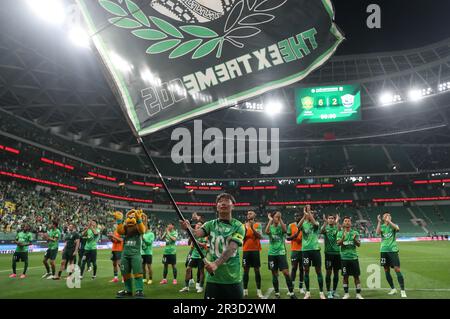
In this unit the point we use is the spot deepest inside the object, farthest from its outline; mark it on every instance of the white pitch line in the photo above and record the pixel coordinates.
(368, 289)
(10, 270)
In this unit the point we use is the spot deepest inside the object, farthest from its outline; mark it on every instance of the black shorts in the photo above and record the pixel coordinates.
(116, 255)
(196, 263)
(90, 256)
(223, 291)
(390, 260)
(67, 255)
(350, 268)
(332, 261)
(251, 259)
(169, 259)
(312, 258)
(278, 262)
(51, 254)
(147, 259)
(20, 256)
(296, 256)
(188, 257)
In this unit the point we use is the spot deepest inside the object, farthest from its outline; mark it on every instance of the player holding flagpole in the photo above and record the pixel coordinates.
(225, 236)
(311, 249)
(389, 252)
(251, 252)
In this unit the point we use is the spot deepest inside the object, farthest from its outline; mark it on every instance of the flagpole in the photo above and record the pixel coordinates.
(177, 209)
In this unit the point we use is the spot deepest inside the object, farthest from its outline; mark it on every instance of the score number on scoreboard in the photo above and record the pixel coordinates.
(328, 104)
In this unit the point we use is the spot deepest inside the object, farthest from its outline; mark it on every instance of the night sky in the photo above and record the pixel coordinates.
(405, 24)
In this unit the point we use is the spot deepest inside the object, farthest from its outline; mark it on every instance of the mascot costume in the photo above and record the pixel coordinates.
(131, 229)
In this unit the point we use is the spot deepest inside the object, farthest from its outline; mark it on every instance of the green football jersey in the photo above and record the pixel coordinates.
(54, 233)
(310, 239)
(70, 239)
(330, 239)
(195, 254)
(23, 238)
(91, 239)
(147, 243)
(276, 241)
(170, 248)
(132, 245)
(348, 247)
(220, 233)
(388, 239)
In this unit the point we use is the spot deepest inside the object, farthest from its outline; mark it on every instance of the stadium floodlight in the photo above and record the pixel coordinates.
(79, 37)
(273, 107)
(387, 98)
(50, 10)
(415, 95)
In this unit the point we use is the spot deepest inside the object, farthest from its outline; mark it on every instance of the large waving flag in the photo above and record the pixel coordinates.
(173, 60)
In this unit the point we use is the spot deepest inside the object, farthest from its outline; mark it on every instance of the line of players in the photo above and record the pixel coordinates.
(340, 252)
(341, 243)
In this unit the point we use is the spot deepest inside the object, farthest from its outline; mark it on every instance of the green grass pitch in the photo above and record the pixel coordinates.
(425, 266)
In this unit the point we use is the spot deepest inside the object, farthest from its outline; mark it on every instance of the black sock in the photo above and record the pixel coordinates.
(53, 270)
(389, 279)
(335, 281)
(293, 273)
(289, 283)
(320, 280)
(345, 288)
(358, 288)
(115, 273)
(186, 283)
(165, 271)
(198, 277)
(258, 279)
(401, 280)
(47, 268)
(59, 273)
(83, 265)
(307, 282)
(275, 283)
(25, 267)
(14, 266)
(175, 272)
(95, 269)
(302, 277)
(328, 281)
(245, 278)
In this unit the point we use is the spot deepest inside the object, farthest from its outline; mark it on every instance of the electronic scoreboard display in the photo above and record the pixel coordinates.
(326, 104)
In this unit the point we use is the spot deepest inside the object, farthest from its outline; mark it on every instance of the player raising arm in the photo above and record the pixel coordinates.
(389, 252)
(330, 230)
(23, 241)
(70, 251)
(225, 236)
(311, 249)
(295, 237)
(348, 239)
(276, 230)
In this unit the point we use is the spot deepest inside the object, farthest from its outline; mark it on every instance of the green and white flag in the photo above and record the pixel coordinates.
(175, 60)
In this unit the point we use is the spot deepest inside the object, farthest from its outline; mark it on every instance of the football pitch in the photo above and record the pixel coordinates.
(425, 266)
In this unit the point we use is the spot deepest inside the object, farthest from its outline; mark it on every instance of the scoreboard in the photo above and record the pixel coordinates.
(328, 104)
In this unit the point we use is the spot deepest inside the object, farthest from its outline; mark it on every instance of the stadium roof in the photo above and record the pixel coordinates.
(46, 80)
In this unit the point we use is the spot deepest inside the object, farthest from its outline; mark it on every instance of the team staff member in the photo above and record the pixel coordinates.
(116, 253)
(251, 252)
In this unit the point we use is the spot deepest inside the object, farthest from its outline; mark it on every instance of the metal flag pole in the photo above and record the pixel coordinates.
(177, 209)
